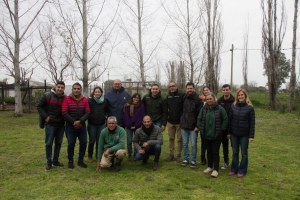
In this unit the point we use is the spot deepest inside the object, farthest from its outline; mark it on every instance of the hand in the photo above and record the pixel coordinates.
(195, 129)
(163, 128)
(47, 119)
(106, 153)
(228, 136)
(77, 124)
(251, 139)
(141, 151)
(132, 128)
(98, 166)
(145, 144)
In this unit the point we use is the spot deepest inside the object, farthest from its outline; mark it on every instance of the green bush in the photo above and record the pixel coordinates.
(10, 100)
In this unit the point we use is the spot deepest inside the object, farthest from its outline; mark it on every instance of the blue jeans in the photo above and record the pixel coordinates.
(56, 134)
(192, 136)
(130, 134)
(236, 143)
(94, 134)
(150, 150)
(72, 134)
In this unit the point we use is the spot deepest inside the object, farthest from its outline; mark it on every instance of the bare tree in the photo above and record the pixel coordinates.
(181, 77)
(13, 34)
(245, 57)
(91, 43)
(293, 68)
(272, 37)
(212, 43)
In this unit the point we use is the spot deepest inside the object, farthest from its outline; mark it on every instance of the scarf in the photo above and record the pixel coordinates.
(148, 130)
(131, 108)
(99, 100)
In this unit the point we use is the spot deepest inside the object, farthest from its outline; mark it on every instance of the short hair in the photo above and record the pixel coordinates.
(112, 118)
(154, 84)
(211, 94)
(190, 83)
(60, 83)
(226, 85)
(95, 88)
(76, 84)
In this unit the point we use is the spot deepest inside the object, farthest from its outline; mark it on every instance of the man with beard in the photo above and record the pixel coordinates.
(155, 107)
(188, 123)
(117, 97)
(147, 141)
(174, 102)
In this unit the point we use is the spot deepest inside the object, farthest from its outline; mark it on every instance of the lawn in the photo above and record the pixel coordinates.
(274, 161)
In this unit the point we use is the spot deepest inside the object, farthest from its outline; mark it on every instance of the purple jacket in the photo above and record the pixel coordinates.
(137, 118)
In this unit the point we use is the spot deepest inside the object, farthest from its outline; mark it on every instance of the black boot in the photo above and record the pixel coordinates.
(203, 160)
(118, 165)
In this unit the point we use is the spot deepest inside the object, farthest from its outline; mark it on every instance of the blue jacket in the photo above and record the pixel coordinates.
(116, 102)
(241, 120)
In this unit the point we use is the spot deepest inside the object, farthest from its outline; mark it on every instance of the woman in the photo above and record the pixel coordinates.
(241, 131)
(96, 120)
(134, 111)
(205, 90)
(212, 121)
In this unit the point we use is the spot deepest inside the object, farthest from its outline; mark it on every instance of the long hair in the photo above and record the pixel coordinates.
(133, 96)
(247, 100)
(97, 87)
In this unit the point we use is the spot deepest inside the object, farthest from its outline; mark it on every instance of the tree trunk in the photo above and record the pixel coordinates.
(85, 74)
(293, 74)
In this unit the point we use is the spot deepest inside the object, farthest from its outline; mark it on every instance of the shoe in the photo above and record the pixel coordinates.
(170, 157)
(144, 162)
(214, 174)
(231, 173)
(207, 170)
(71, 165)
(48, 167)
(193, 164)
(90, 160)
(81, 164)
(240, 175)
(185, 163)
(178, 159)
(117, 167)
(58, 164)
(203, 160)
(155, 166)
(129, 157)
(225, 165)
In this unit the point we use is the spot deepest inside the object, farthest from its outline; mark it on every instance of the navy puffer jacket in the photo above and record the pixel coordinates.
(241, 120)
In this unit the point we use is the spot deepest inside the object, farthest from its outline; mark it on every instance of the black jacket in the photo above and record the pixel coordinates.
(226, 103)
(50, 105)
(241, 120)
(156, 108)
(175, 106)
(98, 112)
(191, 108)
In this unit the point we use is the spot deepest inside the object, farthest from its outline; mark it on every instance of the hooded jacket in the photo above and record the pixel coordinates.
(174, 106)
(226, 103)
(116, 102)
(50, 105)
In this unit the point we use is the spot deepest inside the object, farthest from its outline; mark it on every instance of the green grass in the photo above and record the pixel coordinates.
(274, 162)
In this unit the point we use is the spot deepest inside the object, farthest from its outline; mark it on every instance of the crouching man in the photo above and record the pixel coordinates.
(147, 141)
(111, 145)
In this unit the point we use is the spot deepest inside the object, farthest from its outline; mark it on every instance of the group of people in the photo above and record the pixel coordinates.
(116, 115)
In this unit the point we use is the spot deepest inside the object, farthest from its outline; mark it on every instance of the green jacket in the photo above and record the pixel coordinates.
(212, 122)
(113, 141)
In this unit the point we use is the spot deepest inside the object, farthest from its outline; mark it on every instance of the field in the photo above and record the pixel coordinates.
(274, 161)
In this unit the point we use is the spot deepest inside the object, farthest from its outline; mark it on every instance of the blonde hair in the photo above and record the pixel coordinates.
(248, 102)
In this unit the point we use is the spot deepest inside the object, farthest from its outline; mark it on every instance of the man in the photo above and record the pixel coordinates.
(111, 144)
(147, 141)
(76, 110)
(117, 98)
(49, 108)
(225, 101)
(155, 107)
(188, 123)
(174, 107)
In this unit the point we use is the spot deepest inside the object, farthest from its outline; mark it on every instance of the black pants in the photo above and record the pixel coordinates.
(225, 148)
(213, 157)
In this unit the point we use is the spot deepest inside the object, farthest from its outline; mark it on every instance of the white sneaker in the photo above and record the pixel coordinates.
(207, 170)
(225, 165)
(215, 174)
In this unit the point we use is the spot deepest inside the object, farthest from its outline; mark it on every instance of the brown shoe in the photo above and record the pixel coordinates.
(155, 166)
(90, 160)
(129, 157)
(170, 157)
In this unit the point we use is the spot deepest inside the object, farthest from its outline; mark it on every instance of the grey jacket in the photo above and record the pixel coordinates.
(140, 137)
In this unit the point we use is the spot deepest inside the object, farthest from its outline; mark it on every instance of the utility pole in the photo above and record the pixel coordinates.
(231, 66)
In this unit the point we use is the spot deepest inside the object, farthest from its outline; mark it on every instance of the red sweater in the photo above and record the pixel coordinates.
(73, 110)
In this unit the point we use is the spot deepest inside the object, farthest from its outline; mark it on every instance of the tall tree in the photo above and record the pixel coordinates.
(293, 74)
(212, 43)
(245, 58)
(273, 31)
(13, 34)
